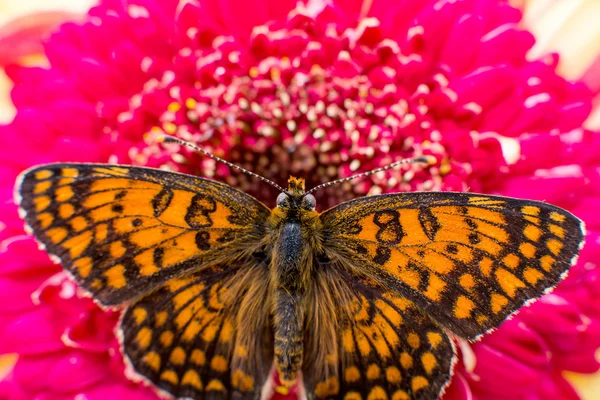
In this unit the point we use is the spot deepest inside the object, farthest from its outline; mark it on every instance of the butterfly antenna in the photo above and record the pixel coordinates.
(429, 160)
(171, 139)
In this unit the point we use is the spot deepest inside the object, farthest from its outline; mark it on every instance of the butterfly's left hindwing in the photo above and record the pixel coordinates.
(121, 231)
(196, 337)
(467, 260)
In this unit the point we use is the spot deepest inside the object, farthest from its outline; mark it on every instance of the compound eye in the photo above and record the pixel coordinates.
(282, 200)
(310, 202)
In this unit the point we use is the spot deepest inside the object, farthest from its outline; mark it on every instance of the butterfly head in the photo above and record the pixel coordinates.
(295, 197)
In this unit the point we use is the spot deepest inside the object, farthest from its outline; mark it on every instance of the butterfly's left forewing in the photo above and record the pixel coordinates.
(467, 260)
(122, 231)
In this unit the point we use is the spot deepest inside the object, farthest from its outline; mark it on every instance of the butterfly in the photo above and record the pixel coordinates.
(360, 301)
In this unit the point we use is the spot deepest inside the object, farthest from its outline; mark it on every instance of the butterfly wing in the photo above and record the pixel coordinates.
(122, 231)
(202, 336)
(387, 349)
(468, 260)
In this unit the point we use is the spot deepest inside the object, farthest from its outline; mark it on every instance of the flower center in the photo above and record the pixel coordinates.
(312, 98)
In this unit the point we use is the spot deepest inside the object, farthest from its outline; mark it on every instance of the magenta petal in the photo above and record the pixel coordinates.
(32, 332)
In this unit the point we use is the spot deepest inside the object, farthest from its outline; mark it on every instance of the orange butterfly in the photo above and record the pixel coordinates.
(356, 301)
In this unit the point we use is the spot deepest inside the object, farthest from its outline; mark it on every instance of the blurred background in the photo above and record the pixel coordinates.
(568, 27)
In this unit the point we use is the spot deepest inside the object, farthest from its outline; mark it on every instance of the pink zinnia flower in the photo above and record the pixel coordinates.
(319, 90)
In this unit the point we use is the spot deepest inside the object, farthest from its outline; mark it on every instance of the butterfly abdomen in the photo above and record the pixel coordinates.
(287, 305)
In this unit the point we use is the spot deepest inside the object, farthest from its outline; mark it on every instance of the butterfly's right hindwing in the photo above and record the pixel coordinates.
(121, 231)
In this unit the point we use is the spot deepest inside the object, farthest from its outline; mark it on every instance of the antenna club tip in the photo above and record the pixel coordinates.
(166, 139)
(427, 159)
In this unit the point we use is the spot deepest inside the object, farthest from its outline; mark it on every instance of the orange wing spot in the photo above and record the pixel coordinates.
(463, 307)
(84, 266)
(432, 260)
(532, 275)
(101, 232)
(364, 347)
(352, 396)
(429, 362)
(393, 375)
(494, 231)
(533, 220)
(98, 199)
(547, 263)
(400, 395)
(63, 193)
(116, 276)
(185, 297)
(226, 332)
(530, 210)
(377, 393)
(210, 332)
(467, 281)
(352, 374)
(508, 282)
(177, 356)
(488, 245)
(45, 220)
(435, 288)
(65, 181)
(191, 331)
(387, 330)
(242, 381)
(140, 315)
(41, 187)
(555, 246)
(170, 376)
(348, 341)
(498, 302)
(78, 224)
(218, 363)
(214, 299)
(487, 215)
(373, 372)
(191, 378)
(57, 235)
(41, 203)
(409, 276)
(215, 385)
(198, 357)
(413, 340)
(557, 230)
(166, 338)
(399, 302)
(554, 216)
(527, 249)
(532, 232)
(481, 319)
(419, 382)
(175, 213)
(96, 284)
(66, 210)
(152, 236)
(241, 351)
(329, 387)
(485, 201)
(413, 231)
(43, 174)
(109, 185)
(144, 337)
(160, 318)
(181, 249)
(145, 262)
(117, 249)
(69, 172)
(486, 266)
(511, 261)
(406, 360)
(434, 339)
